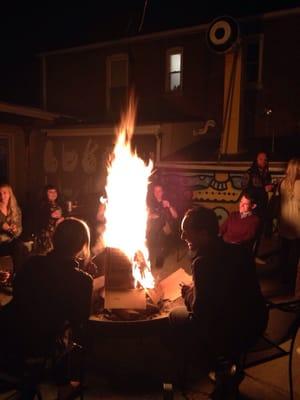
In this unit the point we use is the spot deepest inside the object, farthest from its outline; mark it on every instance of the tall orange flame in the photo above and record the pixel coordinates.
(126, 208)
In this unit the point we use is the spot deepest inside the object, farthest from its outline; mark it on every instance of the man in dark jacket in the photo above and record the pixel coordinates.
(225, 311)
(48, 292)
(257, 182)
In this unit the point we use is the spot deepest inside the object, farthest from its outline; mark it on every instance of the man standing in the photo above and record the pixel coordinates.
(257, 182)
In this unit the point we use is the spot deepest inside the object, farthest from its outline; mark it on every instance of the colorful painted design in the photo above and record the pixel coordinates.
(220, 191)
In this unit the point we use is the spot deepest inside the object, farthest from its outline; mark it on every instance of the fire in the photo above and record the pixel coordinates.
(126, 208)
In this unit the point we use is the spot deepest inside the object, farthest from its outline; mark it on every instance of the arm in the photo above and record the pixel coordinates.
(172, 210)
(16, 225)
(224, 227)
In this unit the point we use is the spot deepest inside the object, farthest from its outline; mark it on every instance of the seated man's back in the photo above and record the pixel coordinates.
(48, 292)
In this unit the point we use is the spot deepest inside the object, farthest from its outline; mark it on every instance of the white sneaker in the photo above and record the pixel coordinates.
(260, 261)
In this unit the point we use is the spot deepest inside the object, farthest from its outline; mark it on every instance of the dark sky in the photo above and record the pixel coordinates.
(26, 30)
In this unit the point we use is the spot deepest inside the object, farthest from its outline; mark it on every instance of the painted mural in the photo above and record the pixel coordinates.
(218, 190)
(77, 165)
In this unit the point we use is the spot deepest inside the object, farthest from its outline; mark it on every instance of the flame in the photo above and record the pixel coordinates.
(126, 208)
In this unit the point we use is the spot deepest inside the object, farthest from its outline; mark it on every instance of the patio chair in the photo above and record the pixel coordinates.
(283, 325)
(21, 377)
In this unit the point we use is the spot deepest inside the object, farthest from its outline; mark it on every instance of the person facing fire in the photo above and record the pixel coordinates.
(241, 227)
(161, 224)
(50, 213)
(48, 291)
(224, 310)
(11, 228)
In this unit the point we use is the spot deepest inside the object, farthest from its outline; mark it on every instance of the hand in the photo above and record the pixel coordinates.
(184, 289)
(56, 214)
(4, 275)
(59, 220)
(166, 204)
(268, 188)
(13, 228)
(153, 216)
(6, 227)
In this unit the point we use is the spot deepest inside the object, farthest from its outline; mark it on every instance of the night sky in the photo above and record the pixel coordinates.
(27, 30)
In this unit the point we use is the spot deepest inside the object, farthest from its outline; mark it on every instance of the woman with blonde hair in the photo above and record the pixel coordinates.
(289, 221)
(11, 227)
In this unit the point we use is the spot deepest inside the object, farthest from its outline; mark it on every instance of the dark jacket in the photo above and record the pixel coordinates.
(226, 299)
(47, 292)
(254, 182)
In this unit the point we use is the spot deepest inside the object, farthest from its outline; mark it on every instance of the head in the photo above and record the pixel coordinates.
(5, 194)
(158, 192)
(292, 173)
(262, 160)
(51, 193)
(246, 204)
(199, 227)
(71, 239)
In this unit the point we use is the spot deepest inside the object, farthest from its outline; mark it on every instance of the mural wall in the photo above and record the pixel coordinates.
(218, 190)
(78, 165)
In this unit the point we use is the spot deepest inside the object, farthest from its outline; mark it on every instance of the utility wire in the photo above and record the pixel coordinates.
(143, 16)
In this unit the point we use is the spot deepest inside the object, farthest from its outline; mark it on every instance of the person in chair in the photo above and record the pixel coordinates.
(49, 293)
(224, 311)
(241, 227)
(161, 224)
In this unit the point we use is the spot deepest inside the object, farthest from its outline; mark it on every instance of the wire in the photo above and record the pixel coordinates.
(143, 16)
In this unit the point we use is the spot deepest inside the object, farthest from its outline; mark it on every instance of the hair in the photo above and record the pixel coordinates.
(12, 202)
(45, 192)
(202, 218)
(247, 196)
(71, 238)
(292, 174)
(254, 164)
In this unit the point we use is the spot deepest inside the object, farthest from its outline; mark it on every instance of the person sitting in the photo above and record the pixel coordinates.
(224, 310)
(11, 228)
(49, 291)
(49, 215)
(241, 227)
(161, 221)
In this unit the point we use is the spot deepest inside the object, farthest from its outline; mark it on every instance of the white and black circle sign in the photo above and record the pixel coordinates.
(222, 34)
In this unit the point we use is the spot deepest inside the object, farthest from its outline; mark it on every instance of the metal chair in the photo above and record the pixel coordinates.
(283, 325)
(21, 377)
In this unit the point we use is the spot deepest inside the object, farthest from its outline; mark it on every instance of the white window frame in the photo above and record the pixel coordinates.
(171, 51)
(254, 39)
(109, 60)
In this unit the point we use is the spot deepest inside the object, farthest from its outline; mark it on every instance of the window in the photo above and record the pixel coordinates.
(254, 60)
(174, 70)
(117, 81)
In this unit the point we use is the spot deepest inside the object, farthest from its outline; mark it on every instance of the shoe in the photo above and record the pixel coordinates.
(260, 261)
